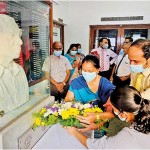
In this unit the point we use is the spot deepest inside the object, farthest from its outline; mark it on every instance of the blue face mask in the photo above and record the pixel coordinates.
(57, 53)
(121, 52)
(89, 76)
(79, 50)
(137, 68)
(73, 53)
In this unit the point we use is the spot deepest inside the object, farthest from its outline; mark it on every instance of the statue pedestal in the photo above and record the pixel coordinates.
(18, 134)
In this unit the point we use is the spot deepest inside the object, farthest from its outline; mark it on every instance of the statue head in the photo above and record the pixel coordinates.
(10, 41)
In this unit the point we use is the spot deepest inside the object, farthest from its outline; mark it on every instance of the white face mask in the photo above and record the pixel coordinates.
(73, 52)
(57, 53)
(121, 118)
(89, 76)
(79, 50)
(105, 46)
(137, 68)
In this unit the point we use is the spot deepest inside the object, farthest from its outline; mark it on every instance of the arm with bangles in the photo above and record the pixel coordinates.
(89, 122)
(77, 132)
(91, 118)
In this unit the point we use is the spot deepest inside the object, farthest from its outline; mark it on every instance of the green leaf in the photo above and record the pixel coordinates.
(52, 120)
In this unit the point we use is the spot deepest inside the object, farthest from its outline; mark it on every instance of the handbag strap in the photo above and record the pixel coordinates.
(116, 71)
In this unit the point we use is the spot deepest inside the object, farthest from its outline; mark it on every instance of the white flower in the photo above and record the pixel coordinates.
(81, 107)
(67, 105)
(77, 105)
(56, 105)
(47, 113)
(85, 106)
(60, 111)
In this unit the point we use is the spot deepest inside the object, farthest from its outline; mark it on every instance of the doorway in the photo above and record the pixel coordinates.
(58, 32)
(117, 34)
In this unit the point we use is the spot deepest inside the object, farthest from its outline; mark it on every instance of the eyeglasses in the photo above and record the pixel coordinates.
(118, 113)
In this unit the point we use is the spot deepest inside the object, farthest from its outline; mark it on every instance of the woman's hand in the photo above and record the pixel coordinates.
(90, 118)
(88, 127)
(74, 132)
(71, 130)
(108, 106)
(76, 64)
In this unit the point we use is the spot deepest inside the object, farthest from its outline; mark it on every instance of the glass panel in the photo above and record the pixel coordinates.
(35, 25)
(33, 18)
(111, 34)
(56, 34)
(136, 33)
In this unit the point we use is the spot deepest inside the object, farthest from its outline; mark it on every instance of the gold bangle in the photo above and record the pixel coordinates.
(97, 117)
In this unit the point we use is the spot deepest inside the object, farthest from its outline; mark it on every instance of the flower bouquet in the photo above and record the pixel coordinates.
(64, 113)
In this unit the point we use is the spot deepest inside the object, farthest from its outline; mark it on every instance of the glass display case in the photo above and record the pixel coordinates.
(33, 18)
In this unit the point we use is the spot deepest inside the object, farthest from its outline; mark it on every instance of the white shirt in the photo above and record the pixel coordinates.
(107, 55)
(14, 89)
(57, 67)
(127, 138)
(124, 67)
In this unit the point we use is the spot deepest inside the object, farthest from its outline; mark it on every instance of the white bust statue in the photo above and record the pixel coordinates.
(14, 90)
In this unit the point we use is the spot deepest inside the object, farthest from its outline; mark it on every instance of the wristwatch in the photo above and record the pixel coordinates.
(64, 83)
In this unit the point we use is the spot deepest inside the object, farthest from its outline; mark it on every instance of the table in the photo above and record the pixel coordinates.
(58, 138)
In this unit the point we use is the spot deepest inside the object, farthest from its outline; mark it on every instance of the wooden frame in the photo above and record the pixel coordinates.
(61, 26)
(51, 23)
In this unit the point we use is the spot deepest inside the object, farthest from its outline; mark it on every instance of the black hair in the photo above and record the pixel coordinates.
(78, 44)
(93, 59)
(144, 45)
(109, 43)
(128, 99)
(129, 38)
(71, 46)
(101, 39)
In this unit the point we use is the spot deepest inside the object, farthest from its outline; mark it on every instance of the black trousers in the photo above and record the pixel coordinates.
(119, 83)
(105, 74)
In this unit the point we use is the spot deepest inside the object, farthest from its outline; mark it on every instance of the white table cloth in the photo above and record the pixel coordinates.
(58, 138)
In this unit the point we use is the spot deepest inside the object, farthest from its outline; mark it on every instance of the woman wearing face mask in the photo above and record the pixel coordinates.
(79, 57)
(71, 56)
(90, 87)
(128, 105)
(79, 54)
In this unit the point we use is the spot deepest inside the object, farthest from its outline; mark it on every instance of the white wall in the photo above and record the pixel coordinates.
(78, 15)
